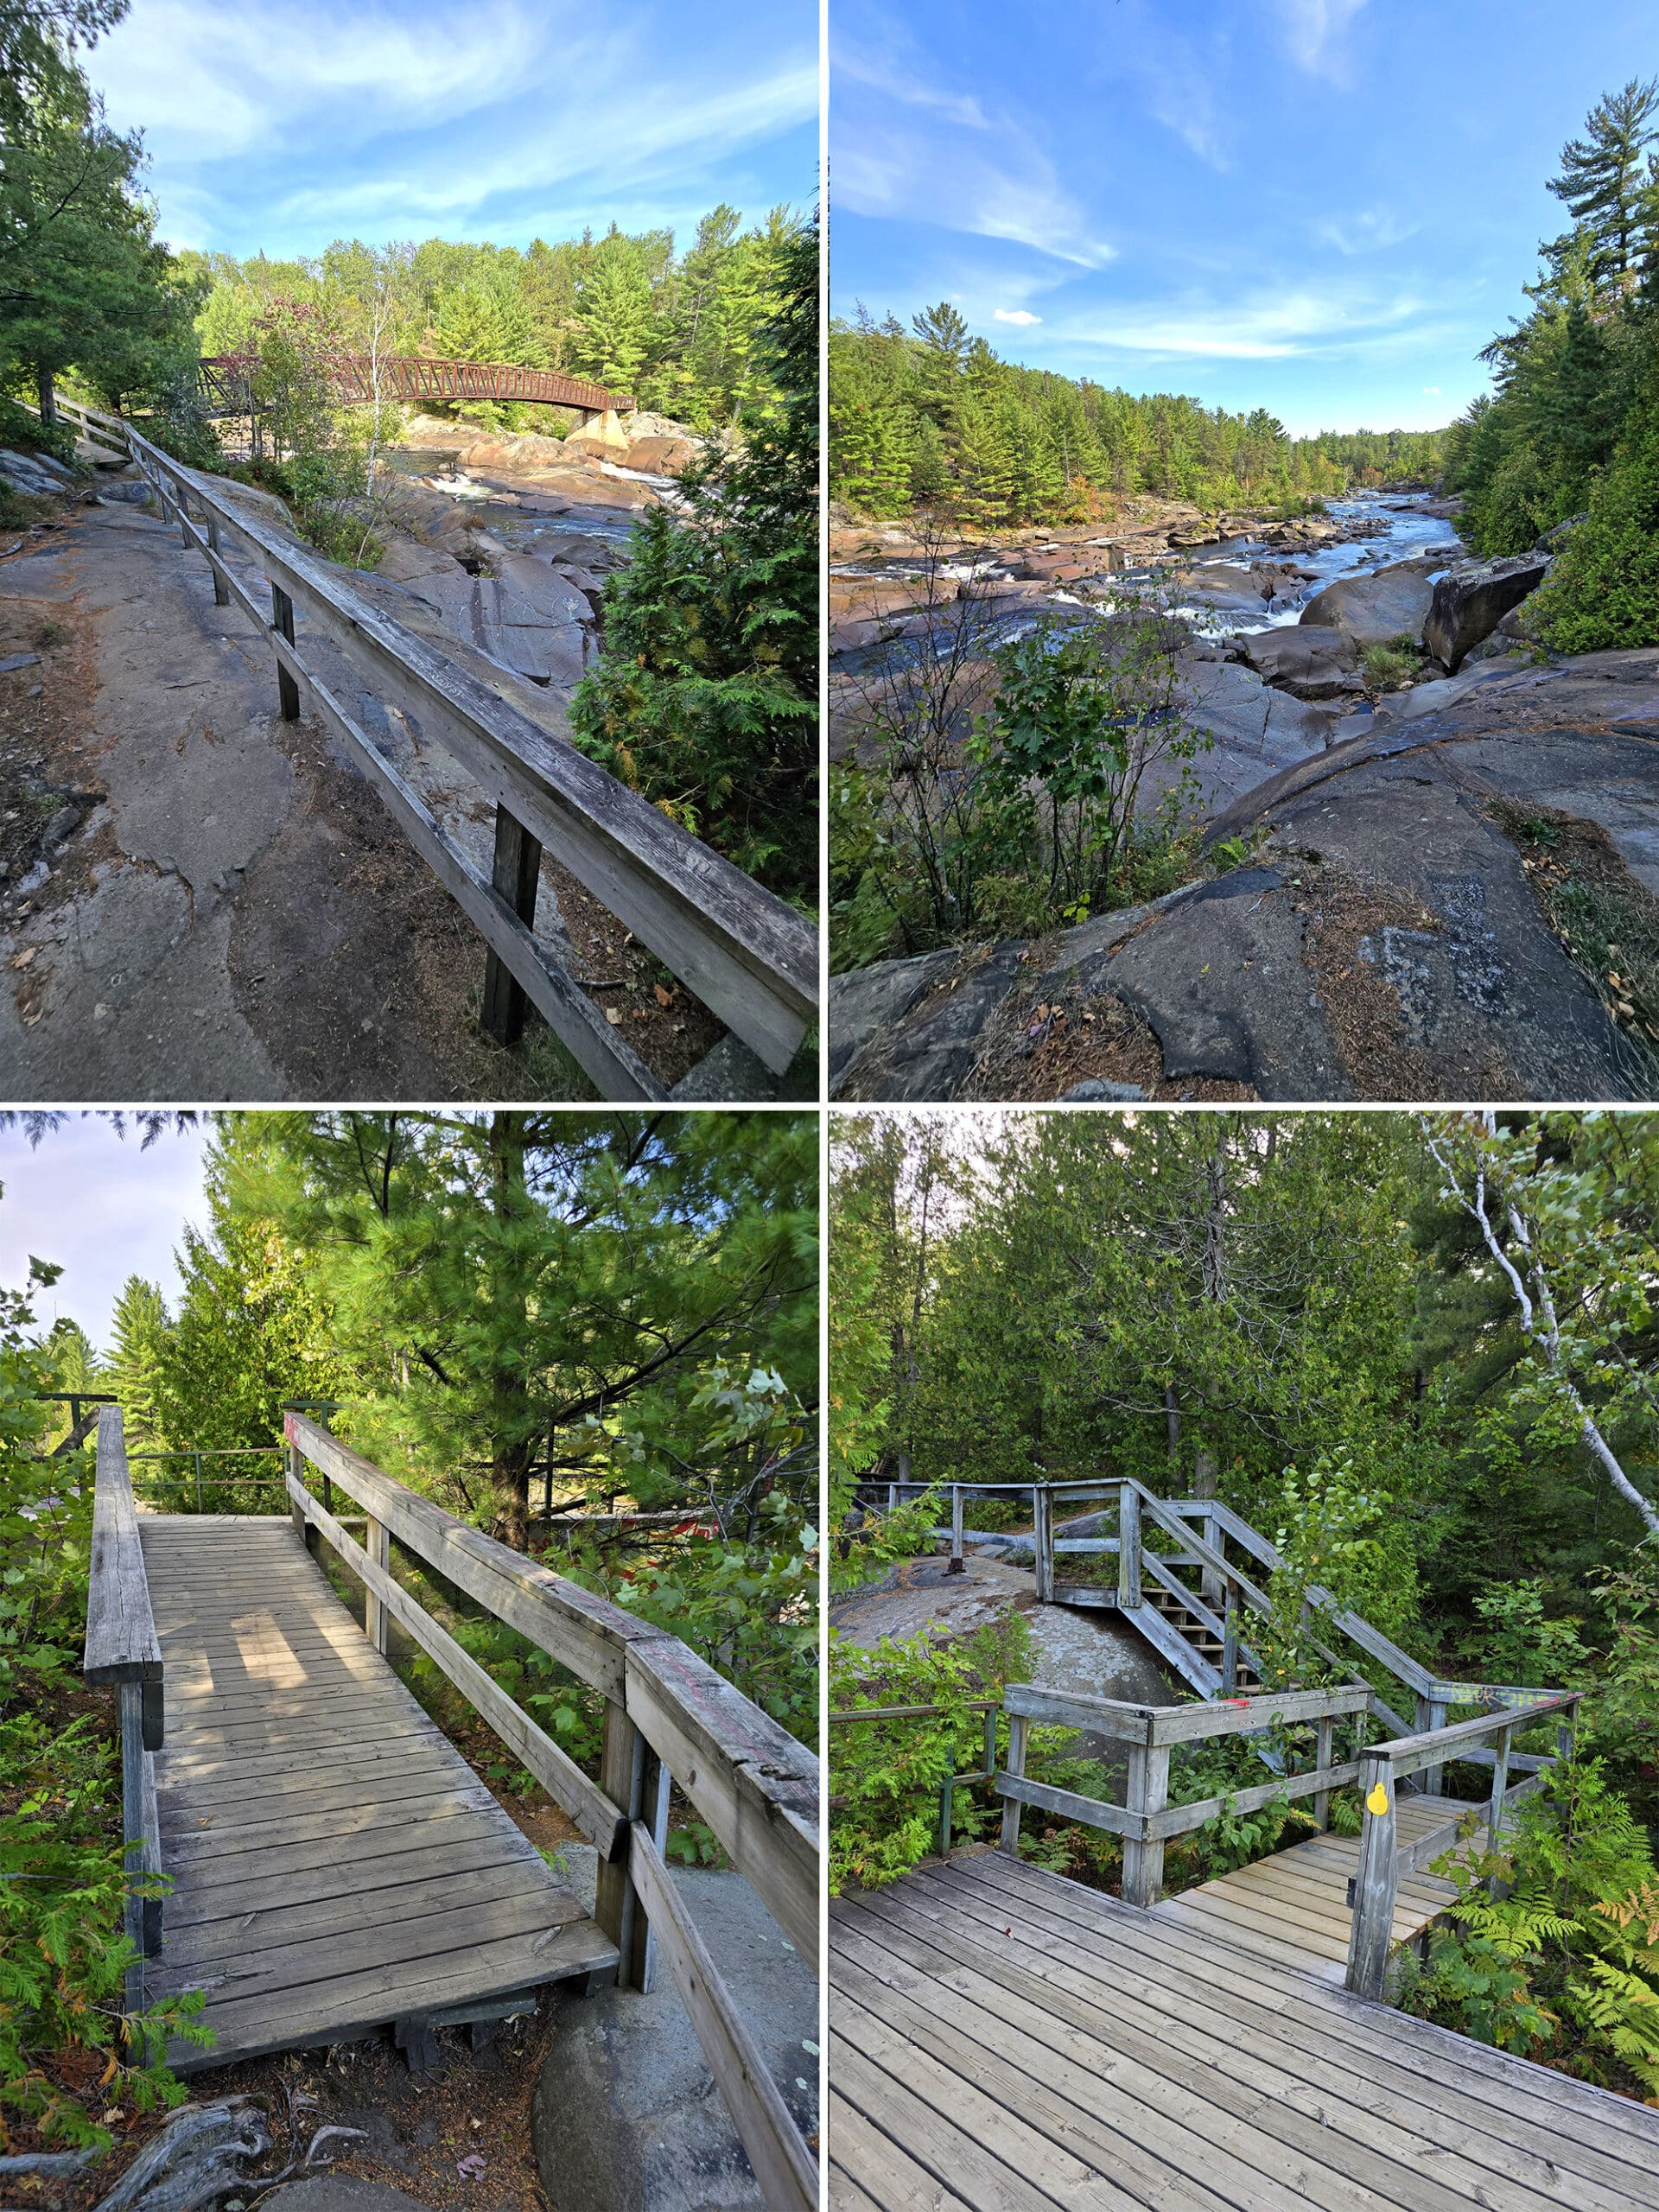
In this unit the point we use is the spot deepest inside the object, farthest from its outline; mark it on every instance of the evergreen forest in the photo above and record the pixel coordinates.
(927, 416)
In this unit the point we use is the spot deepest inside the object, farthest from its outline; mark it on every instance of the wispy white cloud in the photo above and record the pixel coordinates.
(1368, 232)
(1023, 316)
(1267, 325)
(905, 148)
(1431, 392)
(1312, 33)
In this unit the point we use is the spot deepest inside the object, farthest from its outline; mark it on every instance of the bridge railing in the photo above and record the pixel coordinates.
(1146, 1819)
(123, 1651)
(750, 958)
(669, 1719)
(1383, 1858)
(1217, 1565)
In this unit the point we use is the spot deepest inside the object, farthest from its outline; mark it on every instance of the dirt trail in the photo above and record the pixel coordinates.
(237, 917)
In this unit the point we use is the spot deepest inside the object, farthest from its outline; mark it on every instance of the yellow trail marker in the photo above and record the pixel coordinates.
(1377, 1803)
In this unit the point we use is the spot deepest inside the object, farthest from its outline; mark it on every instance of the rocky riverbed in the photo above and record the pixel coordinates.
(1452, 886)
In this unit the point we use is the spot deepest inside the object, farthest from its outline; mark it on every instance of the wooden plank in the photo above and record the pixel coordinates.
(1069, 1805)
(1408, 1754)
(1482, 2088)
(1179, 1820)
(1101, 1716)
(783, 2165)
(1184, 1724)
(122, 1645)
(869, 2168)
(756, 1786)
(558, 1774)
(896, 2114)
(210, 1905)
(1185, 2043)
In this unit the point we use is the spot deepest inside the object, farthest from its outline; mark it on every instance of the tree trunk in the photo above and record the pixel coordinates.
(47, 397)
(510, 1398)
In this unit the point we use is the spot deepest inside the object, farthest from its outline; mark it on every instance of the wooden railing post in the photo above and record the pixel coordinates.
(377, 1541)
(1012, 1808)
(1324, 1739)
(1128, 1546)
(1208, 1580)
(622, 1758)
(221, 589)
(1500, 1787)
(1431, 1714)
(1229, 1644)
(287, 690)
(656, 1784)
(1148, 1793)
(515, 874)
(1042, 1537)
(1375, 1884)
(959, 1564)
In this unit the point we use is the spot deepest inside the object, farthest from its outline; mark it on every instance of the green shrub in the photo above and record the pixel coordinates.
(885, 1775)
(1563, 1965)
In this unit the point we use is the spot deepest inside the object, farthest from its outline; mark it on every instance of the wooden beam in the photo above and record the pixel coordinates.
(783, 2165)
(121, 1645)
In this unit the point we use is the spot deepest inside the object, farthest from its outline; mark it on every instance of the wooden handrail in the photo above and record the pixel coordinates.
(123, 1650)
(1383, 1861)
(746, 954)
(753, 1783)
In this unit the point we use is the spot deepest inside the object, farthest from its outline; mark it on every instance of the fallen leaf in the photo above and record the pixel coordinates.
(24, 958)
(614, 1017)
(663, 998)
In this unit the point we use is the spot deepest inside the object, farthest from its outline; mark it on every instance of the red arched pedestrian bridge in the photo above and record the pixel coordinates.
(224, 383)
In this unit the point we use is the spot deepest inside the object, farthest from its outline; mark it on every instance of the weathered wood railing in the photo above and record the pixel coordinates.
(1147, 1821)
(667, 1715)
(749, 957)
(1383, 1860)
(1220, 1589)
(122, 1650)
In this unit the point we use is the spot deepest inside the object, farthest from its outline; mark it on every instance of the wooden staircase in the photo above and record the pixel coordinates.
(1197, 1634)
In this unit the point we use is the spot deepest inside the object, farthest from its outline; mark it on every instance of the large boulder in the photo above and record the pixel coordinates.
(36, 474)
(1226, 588)
(660, 456)
(517, 451)
(1314, 663)
(1471, 600)
(625, 2116)
(1391, 602)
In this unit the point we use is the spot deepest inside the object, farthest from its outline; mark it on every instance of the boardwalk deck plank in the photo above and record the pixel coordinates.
(991, 2019)
(336, 1864)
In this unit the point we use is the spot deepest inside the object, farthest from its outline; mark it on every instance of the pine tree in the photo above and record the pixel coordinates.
(139, 1332)
(1604, 177)
(614, 318)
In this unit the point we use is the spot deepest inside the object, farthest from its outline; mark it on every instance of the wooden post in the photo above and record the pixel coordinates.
(1229, 1644)
(221, 589)
(892, 1497)
(377, 1541)
(181, 499)
(1431, 1714)
(1148, 1792)
(959, 1564)
(515, 874)
(1208, 1580)
(656, 1782)
(1323, 1737)
(283, 621)
(1500, 1787)
(1375, 1884)
(1128, 1546)
(1012, 1809)
(622, 1778)
(1042, 1536)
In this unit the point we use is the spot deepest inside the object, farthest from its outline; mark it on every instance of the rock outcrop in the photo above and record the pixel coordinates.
(1311, 662)
(1391, 602)
(1471, 600)
(37, 473)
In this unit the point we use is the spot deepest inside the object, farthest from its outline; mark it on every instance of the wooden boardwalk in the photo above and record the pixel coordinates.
(1293, 1908)
(1004, 2039)
(337, 1866)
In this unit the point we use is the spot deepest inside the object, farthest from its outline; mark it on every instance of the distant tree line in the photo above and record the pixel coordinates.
(682, 334)
(928, 415)
(1573, 425)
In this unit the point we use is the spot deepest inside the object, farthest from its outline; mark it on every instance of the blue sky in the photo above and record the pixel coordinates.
(1325, 207)
(101, 1209)
(287, 123)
